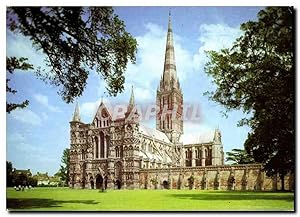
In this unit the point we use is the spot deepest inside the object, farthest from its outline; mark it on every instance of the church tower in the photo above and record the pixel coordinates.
(169, 98)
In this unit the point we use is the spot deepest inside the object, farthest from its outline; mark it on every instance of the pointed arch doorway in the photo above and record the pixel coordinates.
(118, 174)
(99, 181)
(92, 182)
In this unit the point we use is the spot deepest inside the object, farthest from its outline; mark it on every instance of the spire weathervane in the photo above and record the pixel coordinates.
(169, 24)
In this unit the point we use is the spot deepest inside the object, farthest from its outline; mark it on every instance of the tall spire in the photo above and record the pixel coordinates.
(169, 95)
(131, 101)
(76, 116)
(169, 65)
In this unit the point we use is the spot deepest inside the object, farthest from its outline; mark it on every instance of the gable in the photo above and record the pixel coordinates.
(102, 113)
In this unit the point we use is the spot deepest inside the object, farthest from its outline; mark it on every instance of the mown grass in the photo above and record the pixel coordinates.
(65, 199)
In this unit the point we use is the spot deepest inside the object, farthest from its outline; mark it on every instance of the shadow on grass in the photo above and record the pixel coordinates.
(34, 203)
(230, 195)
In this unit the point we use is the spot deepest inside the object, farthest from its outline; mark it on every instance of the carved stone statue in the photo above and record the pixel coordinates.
(217, 180)
(204, 180)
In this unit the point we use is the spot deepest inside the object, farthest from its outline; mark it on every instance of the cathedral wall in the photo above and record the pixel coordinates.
(246, 177)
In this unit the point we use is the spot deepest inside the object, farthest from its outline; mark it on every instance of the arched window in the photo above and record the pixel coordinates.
(121, 151)
(97, 147)
(186, 154)
(117, 152)
(100, 124)
(107, 145)
(161, 103)
(96, 122)
(82, 155)
(125, 152)
(101, 145)
(106, 122)
(130, 151)
(198, 160)
(167, 121)
(199, 152)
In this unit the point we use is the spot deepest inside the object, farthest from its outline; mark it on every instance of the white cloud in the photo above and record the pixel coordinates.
(184, 64)
(101, 87)
(214, 37)
(142, 93)
(145, 74)
(33, 154)
(21, 46)
(43, 100)
(88, 109)
(45, 116)
(28, 148)
(15, 138)
(196, 128)
(26, 116)
(18, 140)
(150, 57)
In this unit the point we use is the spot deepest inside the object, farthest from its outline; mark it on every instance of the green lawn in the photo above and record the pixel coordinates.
(58, 199)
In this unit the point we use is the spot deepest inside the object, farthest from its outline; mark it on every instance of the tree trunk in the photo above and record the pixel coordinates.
(282, 182)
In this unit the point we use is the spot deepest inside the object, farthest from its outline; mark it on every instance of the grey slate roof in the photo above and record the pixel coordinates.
(198, 138)
(153, 133)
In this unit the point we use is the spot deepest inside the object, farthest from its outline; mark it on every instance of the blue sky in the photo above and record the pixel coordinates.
(36, 136)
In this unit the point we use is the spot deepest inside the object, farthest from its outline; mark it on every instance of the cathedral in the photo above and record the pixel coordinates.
(116, 152)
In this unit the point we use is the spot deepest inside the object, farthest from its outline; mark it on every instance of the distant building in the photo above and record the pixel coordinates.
(21, 177)
(54, 181)
(42, 178)
(20, 172)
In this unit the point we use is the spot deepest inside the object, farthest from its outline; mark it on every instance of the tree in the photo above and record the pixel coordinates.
(239, 156)
(63, 172)
(257, 75)
(21, 179)
(9, 174)
(75, 41)
(32, 181)
(12, 64)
